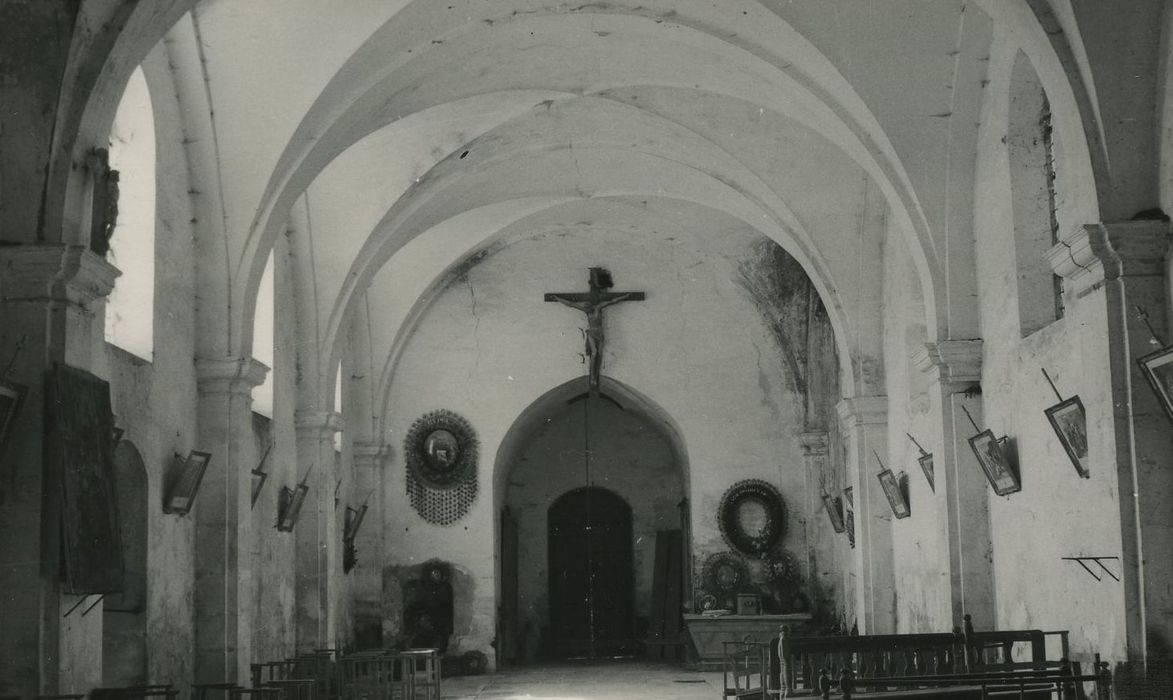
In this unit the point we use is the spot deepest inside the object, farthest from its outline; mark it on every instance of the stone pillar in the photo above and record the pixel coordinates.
(864, 422)
(52, 301)
(821, 562)
(952, 367)
(319, 540)
(222, 511)
(1110, 270)
(370, 459)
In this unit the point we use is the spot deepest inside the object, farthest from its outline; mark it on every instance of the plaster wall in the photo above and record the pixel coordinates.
(919, 542)
(697, 348)
(155, 402)
(1057, 513)
(629, 457)
(274, 632)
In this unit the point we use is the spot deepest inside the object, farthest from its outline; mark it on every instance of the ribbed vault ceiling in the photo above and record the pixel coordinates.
(399, 138)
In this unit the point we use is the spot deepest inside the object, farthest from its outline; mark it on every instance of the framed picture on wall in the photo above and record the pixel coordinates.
(894, 494)
(834, 508)
(995, 463)
(289, 503)
(926, 465)
(1070, 424)
(1158, 369)
(189, 473)
(11, 397)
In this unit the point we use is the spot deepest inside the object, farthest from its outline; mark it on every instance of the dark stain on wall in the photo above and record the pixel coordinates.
(797, 320)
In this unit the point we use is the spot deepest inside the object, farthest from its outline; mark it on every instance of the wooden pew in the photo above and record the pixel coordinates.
(910, 655)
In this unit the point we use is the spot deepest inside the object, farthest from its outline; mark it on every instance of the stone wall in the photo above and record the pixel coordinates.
(697, 348)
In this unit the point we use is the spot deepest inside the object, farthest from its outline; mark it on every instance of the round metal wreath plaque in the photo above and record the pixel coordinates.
(724, 573)
(440, 452)
(752, 516)
(441, 449)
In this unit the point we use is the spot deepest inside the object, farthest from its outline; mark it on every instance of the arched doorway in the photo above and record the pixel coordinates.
(124, 616)
(591, 578)
(584, 480)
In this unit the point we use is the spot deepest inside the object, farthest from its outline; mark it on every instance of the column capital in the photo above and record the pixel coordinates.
(859, 411)
(229, 375)
(1099, 252)
(68, 273)
(951, 361)
(318, 423)
(370, 454)
(814, 443)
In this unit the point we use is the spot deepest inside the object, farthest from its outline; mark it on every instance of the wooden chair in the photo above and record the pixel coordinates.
(426, 669)
(295, 688)
(201, 691)
(262, 673)
(746, 670)
(320, 666)
(383, 676)
(138, 692)
(254, 694)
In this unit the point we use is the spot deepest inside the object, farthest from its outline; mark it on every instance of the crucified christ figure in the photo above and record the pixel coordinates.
(592, 304)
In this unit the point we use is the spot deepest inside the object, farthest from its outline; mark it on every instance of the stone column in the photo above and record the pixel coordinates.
(222, 511)
(960, 486)
(864, 422)
(319, 540)
(820, 537)
(52, 301)
(370, 459)
(1110, 270)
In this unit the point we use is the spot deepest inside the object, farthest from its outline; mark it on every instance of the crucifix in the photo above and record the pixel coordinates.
(592, 304)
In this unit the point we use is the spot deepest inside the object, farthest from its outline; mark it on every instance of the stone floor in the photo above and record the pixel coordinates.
(617, 680)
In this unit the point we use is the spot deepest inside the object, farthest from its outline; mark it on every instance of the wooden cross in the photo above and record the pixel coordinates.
(592, 304)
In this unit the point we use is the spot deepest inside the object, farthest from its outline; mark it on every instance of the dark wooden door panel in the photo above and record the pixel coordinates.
(591, 577)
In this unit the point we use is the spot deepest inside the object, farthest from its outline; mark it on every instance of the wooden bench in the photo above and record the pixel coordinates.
(911, 655)
(1063, 683)
(957, 663)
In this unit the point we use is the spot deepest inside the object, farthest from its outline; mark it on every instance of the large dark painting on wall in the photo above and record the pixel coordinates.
(79, 457)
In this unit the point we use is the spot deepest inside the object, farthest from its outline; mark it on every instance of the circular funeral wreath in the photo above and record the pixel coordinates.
(780, 568)
(725, 572)
(441, 449)
(731, 516)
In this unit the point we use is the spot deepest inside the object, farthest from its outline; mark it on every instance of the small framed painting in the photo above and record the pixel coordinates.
(1158, 369)
(189, 473)
(11, 397)
(1070, 423)
(995, 463)
(847, 493)
(894, 493)
(834, 508)
(289, 503)
(850, 524)
(926, 465)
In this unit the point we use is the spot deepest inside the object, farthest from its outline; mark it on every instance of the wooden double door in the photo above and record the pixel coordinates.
(591, 575)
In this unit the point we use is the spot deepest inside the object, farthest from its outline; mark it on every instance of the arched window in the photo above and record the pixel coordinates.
(1031, 149)
(263, 339)
(130, 309)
